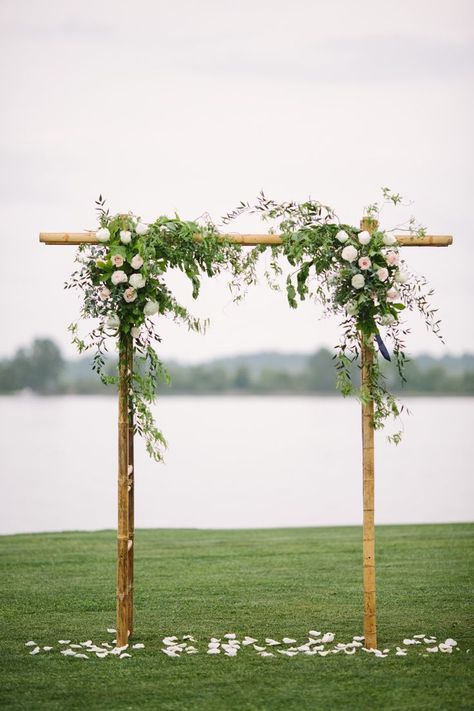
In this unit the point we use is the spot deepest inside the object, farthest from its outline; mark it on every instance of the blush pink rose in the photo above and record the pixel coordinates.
(382, 274)
(104, 294)
(392, 294)
(364, 263)
(392, 258)
(129, 295)
(117, 260)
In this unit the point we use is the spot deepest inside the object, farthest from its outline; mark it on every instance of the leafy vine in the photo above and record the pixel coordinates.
(355, 273)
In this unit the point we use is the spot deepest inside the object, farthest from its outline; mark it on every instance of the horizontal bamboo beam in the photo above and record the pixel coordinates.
(247, 240)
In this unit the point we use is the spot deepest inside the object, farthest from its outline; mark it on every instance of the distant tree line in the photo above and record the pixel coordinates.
(40, 368)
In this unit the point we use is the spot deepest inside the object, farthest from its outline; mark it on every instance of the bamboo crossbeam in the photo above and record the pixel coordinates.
(76, 238)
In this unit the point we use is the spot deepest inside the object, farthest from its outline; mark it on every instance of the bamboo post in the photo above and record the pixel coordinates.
(123, 493)
(368, 483)
(131, 501)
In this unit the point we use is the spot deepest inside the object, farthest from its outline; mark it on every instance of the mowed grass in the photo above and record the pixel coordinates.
(262, 583)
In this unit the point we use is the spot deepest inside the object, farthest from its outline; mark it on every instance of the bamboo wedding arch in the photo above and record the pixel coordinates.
(126, 472)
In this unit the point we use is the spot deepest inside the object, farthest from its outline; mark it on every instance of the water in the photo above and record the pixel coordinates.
(232, 463)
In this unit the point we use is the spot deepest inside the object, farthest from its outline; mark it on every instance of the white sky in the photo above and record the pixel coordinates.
(196, 105)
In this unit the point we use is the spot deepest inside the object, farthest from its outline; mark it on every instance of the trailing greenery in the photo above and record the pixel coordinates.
(267, 583)
(356, 274)
(123, 282)
(353, 273)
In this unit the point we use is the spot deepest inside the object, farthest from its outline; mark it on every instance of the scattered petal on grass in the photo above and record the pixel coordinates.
(249, 640)
(258, 649)
(64, 641)
(169, 640)
(450, 642)
(111, 630)
(313, 633)
(400, 653)
(214, 645)
(81, 656)
(445, 648)
(124, 655)
(36, 650)
(213, 650)
(324, 654)
(419, 636)
(76, 646)
(230, 635)
(350, 651)
(86, 644)
(101, 655)
(311, 652)
(359, 639)
(189, 637)
(30, 643)
(271, 642)
(288, 640)
(170, 654)
(68, 652)
(266, 654)
(139, 645)
(287, 652)
(432, 649)
(191, 650)
(304, 648)
(328, 637)
(386, 651)
(47, 649)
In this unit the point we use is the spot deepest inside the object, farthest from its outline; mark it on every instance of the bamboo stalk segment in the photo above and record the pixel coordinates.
(123, 495)
(77, 238)
(131, 501)
(368, 486)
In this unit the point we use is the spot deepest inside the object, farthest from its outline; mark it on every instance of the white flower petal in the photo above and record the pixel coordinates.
(271, 642)
(47, 649)
(213, 651)
(139, 645)
(258, 649)
(288, 640)
(230, 635)
(36, 650)
(64, 641)
(125, 655)
(249, 640)
(111, 630)
(30, 643)
(81, 656)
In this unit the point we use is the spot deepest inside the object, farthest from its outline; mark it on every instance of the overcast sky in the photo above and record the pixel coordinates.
(195, 106)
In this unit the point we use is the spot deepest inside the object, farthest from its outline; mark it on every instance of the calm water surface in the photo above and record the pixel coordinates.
(232, 462)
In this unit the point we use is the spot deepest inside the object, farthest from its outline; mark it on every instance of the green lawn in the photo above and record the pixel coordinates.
(263, 583)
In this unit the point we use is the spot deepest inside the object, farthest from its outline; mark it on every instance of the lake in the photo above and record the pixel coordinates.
(232, 462)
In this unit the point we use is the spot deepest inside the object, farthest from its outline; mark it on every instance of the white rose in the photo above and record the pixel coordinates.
(141, 228)
(104, 293)
(151, 308)
(401, 277)
(125, 236)
(349, 253)
(389, 239)
(129, 295)
(392, 294)
(342, 236)
(137, 262)
(135, 332)
(137, 281)
(119, 277)
(112, 322)
(103, 235)
(364, 237)
(358, 281)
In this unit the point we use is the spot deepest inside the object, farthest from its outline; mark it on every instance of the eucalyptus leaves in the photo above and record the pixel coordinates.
(354, 273)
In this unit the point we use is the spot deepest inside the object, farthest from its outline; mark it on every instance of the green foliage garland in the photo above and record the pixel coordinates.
(123, 283)
(356, 274)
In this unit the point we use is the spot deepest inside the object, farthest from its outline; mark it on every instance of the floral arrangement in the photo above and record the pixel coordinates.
(123, 282)
(355, 273)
